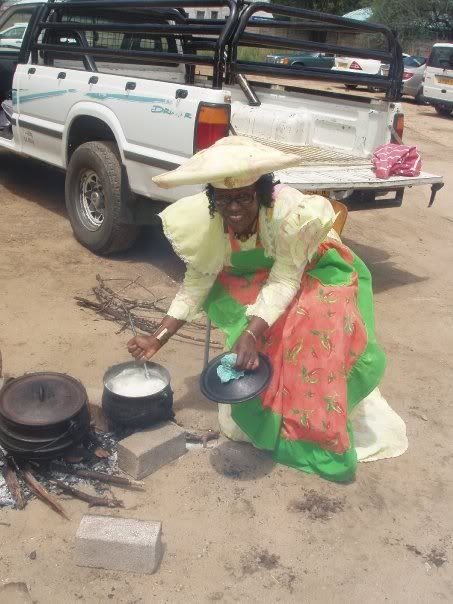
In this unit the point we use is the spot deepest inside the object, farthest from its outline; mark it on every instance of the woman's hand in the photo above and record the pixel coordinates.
(143, 347)
(247, 352)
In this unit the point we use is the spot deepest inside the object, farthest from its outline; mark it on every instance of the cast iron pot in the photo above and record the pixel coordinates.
(43, 415)
(138, 411)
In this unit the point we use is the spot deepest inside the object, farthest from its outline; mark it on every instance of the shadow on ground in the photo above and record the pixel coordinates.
(241, 461)
(33, 181)
(386, 275)
(193, 398)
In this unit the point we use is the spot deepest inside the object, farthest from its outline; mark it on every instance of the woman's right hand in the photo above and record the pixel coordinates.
(143, 348)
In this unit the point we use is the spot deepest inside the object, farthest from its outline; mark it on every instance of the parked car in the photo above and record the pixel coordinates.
(304, 59)
(355, 65)
(414, 70)
(12, 36)
(438, 81)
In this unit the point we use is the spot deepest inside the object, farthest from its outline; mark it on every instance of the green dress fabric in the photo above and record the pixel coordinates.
(267, 421)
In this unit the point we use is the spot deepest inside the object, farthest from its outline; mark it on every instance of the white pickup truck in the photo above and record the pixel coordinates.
(111, 92)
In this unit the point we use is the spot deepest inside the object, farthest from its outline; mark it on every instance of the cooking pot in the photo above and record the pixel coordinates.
(132, 398)
(43, 415)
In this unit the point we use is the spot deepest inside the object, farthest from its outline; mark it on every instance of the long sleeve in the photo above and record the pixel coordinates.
(191, 295)
(299, 234)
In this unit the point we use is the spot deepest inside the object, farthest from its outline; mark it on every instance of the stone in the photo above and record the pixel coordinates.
(98, 417)
(119, 544)
(144, 452)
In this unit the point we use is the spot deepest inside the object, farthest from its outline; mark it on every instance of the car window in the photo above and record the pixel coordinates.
(119, 40)
(441, 56)
(111, 40)
(13, 27)
(414, 61)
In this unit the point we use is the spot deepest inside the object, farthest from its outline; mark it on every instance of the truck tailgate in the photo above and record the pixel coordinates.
(335, 178)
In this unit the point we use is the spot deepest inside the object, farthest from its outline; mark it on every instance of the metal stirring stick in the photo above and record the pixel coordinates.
(134, 331)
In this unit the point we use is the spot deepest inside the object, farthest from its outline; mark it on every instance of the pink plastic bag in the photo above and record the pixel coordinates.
(396, 160)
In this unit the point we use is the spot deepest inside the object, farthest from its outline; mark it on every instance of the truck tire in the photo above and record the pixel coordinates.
(419, 98)
(94, 193)
(441, 110)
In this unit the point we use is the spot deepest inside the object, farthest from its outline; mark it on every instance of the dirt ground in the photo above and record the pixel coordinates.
(238, 528)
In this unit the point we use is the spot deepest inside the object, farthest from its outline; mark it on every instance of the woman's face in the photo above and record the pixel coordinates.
(238, 207)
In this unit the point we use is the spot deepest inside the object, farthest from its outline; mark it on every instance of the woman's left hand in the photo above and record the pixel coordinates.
(247, 352)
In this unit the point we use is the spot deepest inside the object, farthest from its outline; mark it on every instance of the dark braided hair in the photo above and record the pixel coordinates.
(264, 189)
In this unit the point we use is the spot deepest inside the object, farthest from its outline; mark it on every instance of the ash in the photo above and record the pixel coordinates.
(44, 470)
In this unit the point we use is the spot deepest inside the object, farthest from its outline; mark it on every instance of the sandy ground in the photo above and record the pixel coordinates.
(238, 528)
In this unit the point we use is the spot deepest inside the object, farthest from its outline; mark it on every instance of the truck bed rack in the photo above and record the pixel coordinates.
(216, 42)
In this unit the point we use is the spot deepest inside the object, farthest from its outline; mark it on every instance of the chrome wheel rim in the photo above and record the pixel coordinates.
(91, 200)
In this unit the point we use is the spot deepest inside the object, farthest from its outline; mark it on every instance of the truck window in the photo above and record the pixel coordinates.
(441, 57)
(113, 40)
(13, 28)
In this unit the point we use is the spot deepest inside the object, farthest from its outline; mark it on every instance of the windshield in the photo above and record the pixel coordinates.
(441, 56)
(414, 61)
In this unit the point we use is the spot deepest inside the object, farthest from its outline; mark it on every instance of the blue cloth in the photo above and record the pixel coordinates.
(226, 370)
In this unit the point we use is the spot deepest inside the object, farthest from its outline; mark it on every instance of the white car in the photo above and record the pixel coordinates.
(12, 36)
(355, 65)
(438, 83)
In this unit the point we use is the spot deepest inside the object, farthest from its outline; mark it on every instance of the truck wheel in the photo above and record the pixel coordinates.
(444, 111)
(94, 193)
(419, 98)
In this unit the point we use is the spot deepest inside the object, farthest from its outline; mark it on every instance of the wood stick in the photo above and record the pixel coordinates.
(113, 313)
(107, 292)
(12, 482)
(100, 476)
(92, 500)
(43, 493)
(191, 437)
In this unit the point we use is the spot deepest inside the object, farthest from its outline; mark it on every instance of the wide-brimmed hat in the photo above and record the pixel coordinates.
(231, 163)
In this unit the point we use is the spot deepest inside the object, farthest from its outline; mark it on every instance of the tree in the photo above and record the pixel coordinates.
(416, 18)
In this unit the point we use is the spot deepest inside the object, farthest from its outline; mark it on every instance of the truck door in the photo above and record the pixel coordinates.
(13, 26)
(45, 94)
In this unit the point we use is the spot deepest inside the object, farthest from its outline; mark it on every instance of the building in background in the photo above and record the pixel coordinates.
(220, 12)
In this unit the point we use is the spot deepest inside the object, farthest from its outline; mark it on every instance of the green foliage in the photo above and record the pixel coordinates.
(416, 19)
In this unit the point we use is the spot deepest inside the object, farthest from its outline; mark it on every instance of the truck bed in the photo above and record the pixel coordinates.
(333, 178)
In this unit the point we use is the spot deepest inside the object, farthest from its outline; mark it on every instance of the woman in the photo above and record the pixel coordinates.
(264, 263)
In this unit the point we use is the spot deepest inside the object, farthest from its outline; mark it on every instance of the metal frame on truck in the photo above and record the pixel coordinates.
(221, 37)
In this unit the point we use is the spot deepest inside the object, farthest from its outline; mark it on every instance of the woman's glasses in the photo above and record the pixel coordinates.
(243, 199)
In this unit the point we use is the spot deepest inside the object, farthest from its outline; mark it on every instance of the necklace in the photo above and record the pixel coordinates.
(245, 236)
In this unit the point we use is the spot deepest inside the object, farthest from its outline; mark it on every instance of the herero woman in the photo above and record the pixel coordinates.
(265, 264)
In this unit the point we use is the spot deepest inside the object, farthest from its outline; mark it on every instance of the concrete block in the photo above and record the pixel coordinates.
(119, 544)
(98, 417)
(144, 452)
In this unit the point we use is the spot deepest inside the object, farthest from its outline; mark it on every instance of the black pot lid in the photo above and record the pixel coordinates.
(236, 391)
(40, 399)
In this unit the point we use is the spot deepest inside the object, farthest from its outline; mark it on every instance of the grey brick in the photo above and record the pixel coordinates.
(144, 452)
(119, 544)
(98, 417)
